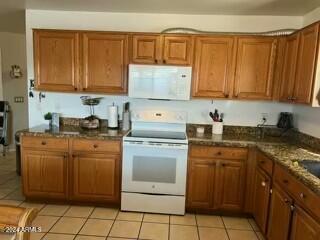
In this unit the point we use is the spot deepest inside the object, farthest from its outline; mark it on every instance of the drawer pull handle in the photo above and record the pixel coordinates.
(43, 143)
(223, 164)
(219, 153)
(95, 146)
(302, 195)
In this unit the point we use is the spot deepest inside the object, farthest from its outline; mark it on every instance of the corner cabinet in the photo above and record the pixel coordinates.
(56, 60)
(162, 49)
(216, 178)
(105, 60)
(255, 67)
(213, 69)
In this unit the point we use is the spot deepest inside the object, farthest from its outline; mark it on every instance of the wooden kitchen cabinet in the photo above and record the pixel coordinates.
(231, 180)
(201, 183)
(289, 67)
(44, 174)
(306, 64)
(146, 48)
(96, 177)
(304, 226)
(279, 215)
(255, 67)
(214, 181)
(56, 60)
(105, 60)
(213, 70)
(162, 49)
(262, 187)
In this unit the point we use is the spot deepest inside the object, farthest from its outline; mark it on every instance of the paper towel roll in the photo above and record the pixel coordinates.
(113, 116)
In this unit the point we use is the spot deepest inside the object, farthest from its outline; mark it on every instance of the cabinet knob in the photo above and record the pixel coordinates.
(286, 200)
(219, 153)
(43, 142)
(285, 181)
(263, 183)
(95, 145)
(302, 195)
(262, 162)
(164, 61)
(75, 88)
(223, 164)
(226, 95)
(292, 208)
(156, 60)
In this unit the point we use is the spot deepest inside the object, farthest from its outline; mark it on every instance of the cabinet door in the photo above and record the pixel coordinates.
(261, 199)
(304, 226)
(56, 60)
(45, 174)
(306, 65)
(255, 67)
(289, 67)
(231, 179)
(280, 215)
(201, 181)
(105, 60)
(96, 177)
(146, 49)
(213, 67)
(177, 50)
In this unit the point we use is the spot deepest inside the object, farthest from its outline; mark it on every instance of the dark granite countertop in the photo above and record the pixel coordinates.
(283, 150)
(73, 131)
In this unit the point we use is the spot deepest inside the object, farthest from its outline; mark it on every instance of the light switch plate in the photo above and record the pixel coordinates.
(19, 99)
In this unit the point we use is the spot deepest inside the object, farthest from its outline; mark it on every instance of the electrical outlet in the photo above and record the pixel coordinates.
(264, 117)
(18, 99)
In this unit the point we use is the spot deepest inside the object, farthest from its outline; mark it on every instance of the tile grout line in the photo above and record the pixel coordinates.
(140, 225)
(114, 220)
(225, 227)
(195, 216)
(52, 227)
(87, 218)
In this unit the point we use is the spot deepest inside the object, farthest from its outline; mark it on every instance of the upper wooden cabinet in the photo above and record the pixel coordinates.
(105, 59)
(162, 49)
(146, 49)
(289, 67)
(255, 67)
(306, 64)
(213, 69)
(56, 60)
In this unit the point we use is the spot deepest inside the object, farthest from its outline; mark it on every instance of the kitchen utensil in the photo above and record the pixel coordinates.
(126, 117)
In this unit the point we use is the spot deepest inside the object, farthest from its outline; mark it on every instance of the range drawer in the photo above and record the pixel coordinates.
(218, 152)
(301, 193)
(59, 144)
(265, 163)
(96, 145)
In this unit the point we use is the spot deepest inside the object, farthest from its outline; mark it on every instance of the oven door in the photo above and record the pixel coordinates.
(156, 168)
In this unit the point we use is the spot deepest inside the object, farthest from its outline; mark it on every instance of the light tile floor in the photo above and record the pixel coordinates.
(65, 222)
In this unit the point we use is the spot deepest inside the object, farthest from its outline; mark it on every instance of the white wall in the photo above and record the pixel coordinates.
(307, 119)
(237, 112)
(13, 46)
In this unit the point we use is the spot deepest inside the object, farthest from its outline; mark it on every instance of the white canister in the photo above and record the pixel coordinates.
(113, 116)
(217, 128)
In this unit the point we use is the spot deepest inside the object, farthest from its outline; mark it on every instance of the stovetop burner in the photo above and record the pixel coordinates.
(157, 134)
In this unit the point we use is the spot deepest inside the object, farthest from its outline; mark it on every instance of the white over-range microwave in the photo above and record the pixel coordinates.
(159, 82)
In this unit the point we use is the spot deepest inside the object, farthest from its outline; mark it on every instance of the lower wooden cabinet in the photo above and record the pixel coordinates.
(304, 226)
(201, 181)
(280, 215)
(45, 174)
(262, 188)
(215, 182)
(78, 170)
(96, 177)
(231, 189)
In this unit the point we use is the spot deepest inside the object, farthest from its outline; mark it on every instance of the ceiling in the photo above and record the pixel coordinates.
(12, 11)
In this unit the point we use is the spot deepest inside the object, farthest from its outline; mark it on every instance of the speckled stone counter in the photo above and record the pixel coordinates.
(73, 132)
(283, 150)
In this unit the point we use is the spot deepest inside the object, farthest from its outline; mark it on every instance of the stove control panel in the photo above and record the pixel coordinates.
(159, 116)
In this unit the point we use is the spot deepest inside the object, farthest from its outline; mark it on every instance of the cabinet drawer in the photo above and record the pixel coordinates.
(60, 144)
(301, 193)
(265, 163)
(96, 145)
(219, 152)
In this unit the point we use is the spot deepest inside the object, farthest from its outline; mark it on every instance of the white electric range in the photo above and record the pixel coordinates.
(154, 165)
